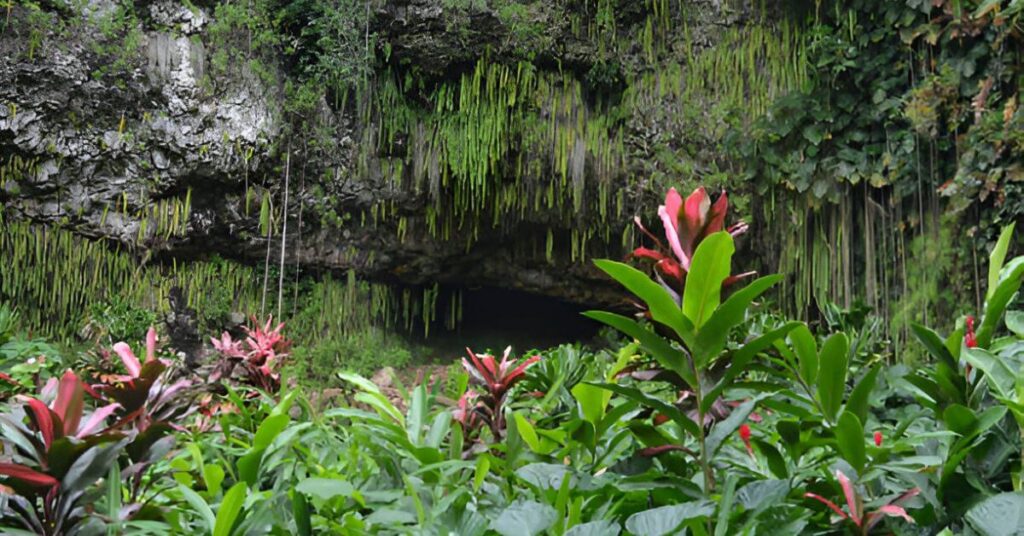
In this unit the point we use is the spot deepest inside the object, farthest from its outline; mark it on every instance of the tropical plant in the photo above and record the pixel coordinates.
(696, 353)
(495, 379)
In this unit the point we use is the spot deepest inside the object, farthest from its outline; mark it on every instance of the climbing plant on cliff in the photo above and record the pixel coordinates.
(911, 127)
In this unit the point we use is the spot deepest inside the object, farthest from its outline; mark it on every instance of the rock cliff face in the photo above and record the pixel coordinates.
(122, 130)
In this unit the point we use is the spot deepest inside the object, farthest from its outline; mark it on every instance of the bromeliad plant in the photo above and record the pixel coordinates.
(253, 361)
(698, 322)
(687, 223)
(495, 378)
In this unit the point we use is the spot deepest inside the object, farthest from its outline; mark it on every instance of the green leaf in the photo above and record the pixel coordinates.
(999, 299)
(199, 506)
(663, 352)
(545, 476)
(859, 400)
(727, 427)
(593, 401)
(998, 515)
(595, 528)
(959, 419)
(776, 464)
(1000, 377)
(665, 408)
(725, 508)
(527, 432)
(1015, 323)
(712, 337)
(524, 518)
(326, 489)
(230, 508)
(268, 430)
(667, 519)
(303, 518)
(832, 374)
(662, 305)
(806, 352)
(709, 268)
(761, 494)
(741, 358)
(933, 343)
(850, 440)
(483, 466)
(997, 258)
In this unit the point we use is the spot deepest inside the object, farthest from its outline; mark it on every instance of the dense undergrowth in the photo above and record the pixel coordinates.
(710, 416)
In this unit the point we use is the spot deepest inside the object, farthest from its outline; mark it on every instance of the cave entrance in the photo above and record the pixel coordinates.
(493, 318)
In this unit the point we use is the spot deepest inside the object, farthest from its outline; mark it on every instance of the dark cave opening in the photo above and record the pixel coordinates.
(493, 318)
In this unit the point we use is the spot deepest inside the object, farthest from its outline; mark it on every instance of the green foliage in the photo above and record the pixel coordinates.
(363, 352)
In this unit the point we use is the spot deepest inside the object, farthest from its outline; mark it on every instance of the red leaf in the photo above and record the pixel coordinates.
(480, 367)
(128, 358)
(46, 421)
(716, 217)
(827, 503)
(70, 402)
(694, 217)
(520, 370)
(644, 253)
(851, 496)
(27, 475)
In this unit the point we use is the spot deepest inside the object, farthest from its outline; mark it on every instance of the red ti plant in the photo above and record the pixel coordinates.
(256, 364)
(686, 224)
(52, 461)
(855, 505)
(495, 378)
(149, 404)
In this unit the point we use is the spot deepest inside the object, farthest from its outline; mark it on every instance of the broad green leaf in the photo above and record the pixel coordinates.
(1015, 323)
(665, 408)
(859, 401)
(592, 400)
(199, 506)
(999, 298)
(998, 515)
(229, 510)
(663, 352)
(300, 511)
(545, 475)
(1000, 377)
(725, 428)
(832, 374)
(997, 258)
(662, 305)
(959, 419)
(708, 269)
(595, 528)
(666, 520)
(527, 433)
(417, 413)
(933, 343)
(524, 518)
(806, 352)
(725, 509)
(269, 429)
(741, 358)
(326, 489)
(850, 440)
(483, 466)
(761, 494)
(712, 337)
